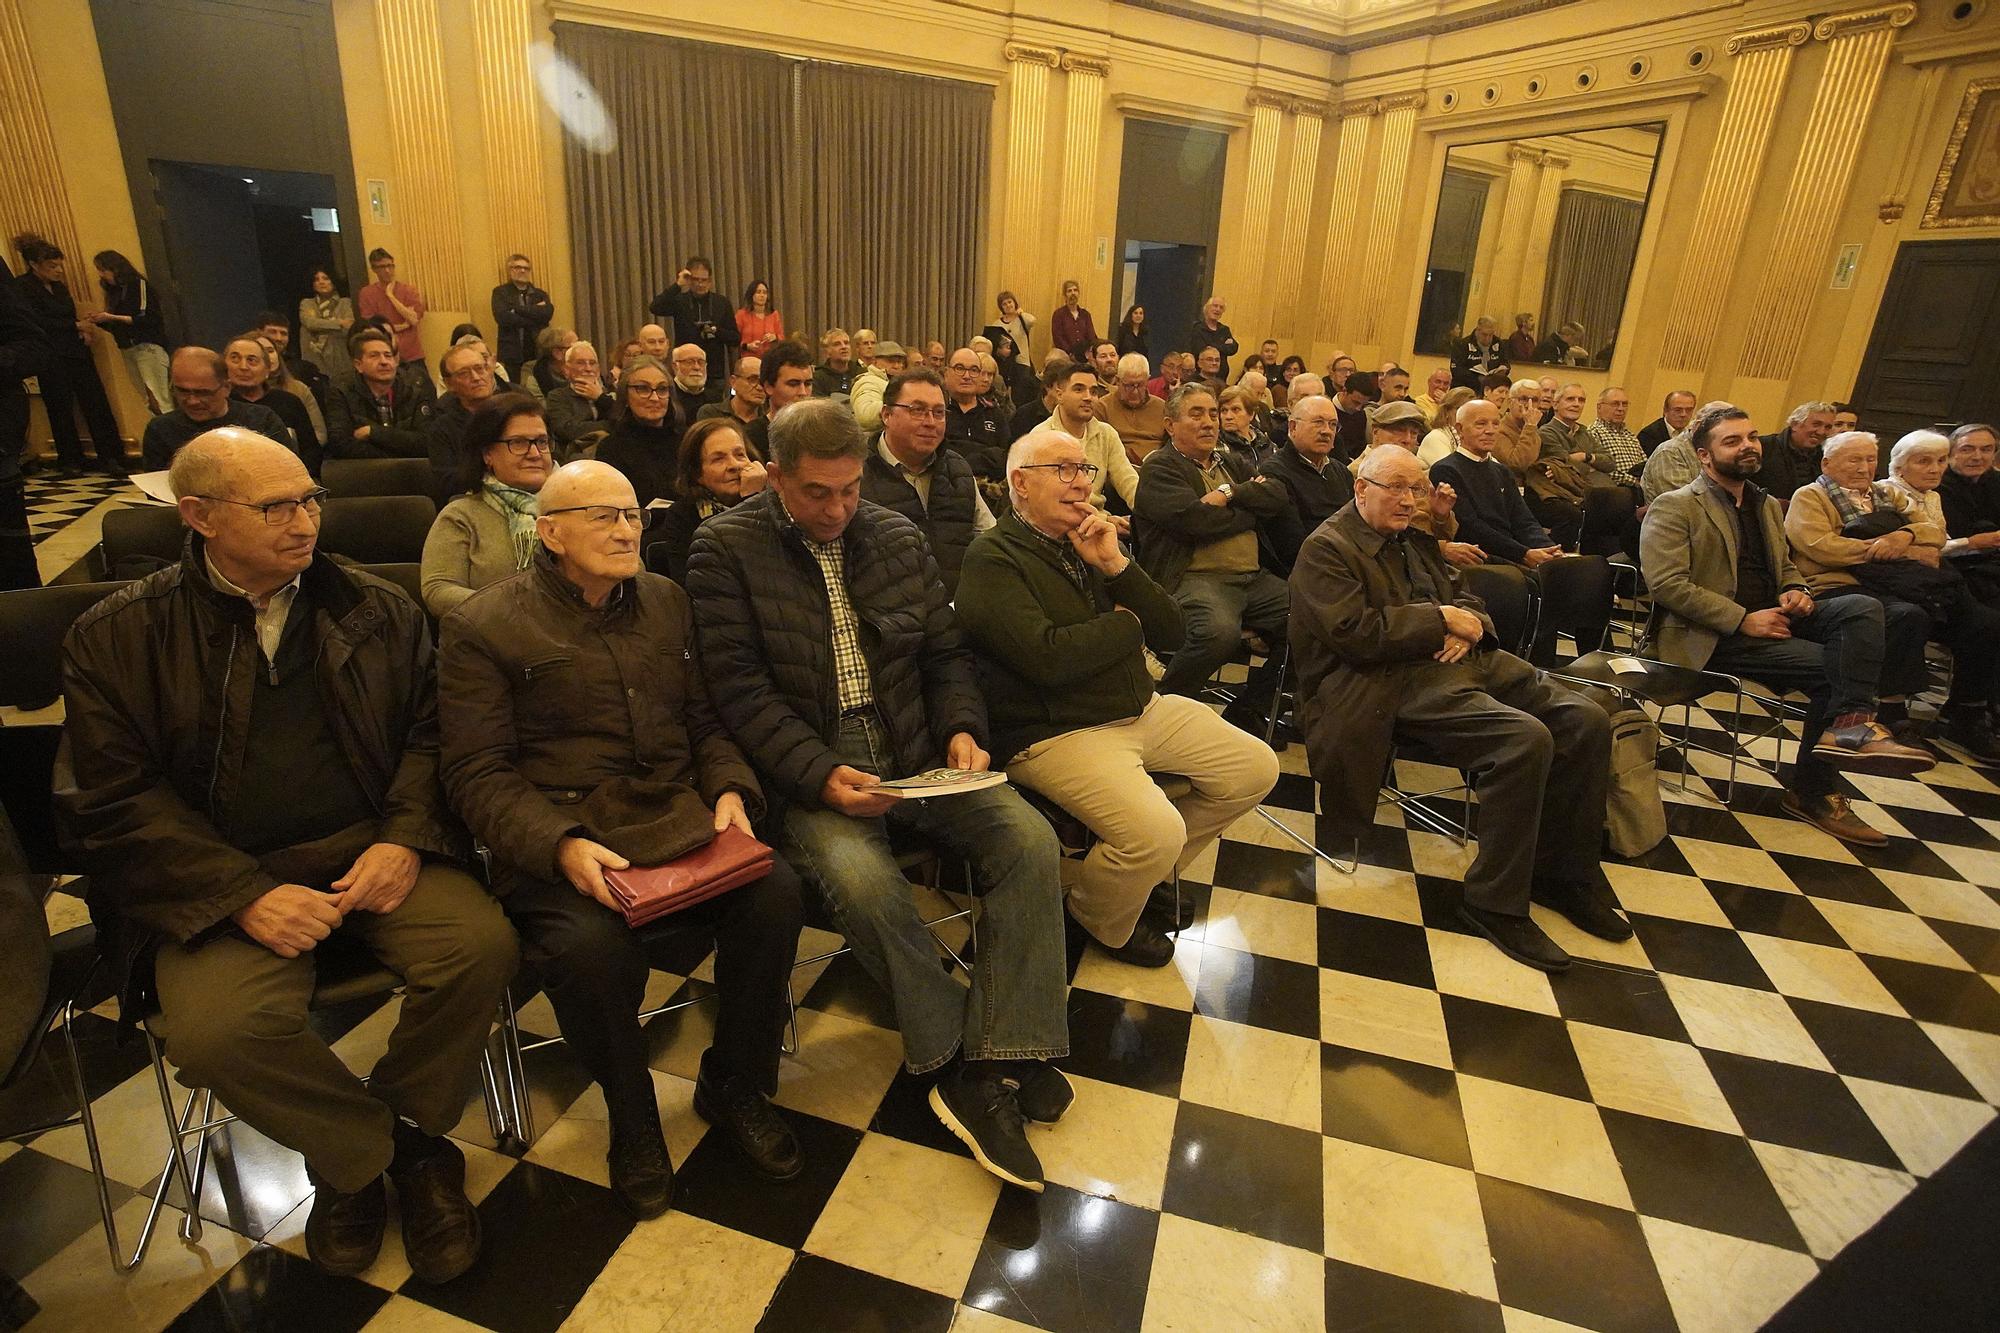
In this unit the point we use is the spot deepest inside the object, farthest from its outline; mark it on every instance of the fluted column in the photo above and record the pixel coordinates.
(1502, 291)
(1083, 111)
(32, 194)
(1541, 233)
(1336, 315)
(1399, 123)
(428, 224)
(1021, 254)
(1763, 60)
(1248, 284)
(1289, 305)
(1857, 53)
(510, 129)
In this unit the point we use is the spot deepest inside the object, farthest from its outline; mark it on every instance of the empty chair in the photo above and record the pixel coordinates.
(355, 477)
(141, 539)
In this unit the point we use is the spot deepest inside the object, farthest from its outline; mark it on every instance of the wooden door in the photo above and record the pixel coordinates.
(1934, 358)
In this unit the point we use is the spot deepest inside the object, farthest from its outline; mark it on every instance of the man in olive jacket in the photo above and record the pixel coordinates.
(251, 741)
(1060, 618)
(1389, 647)
(578, 736)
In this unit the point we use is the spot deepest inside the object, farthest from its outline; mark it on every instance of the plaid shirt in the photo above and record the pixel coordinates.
(1065, 554)
(1627, 455)
(850, 666)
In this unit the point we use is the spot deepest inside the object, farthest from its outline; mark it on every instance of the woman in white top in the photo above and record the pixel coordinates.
(1018, 323)
(1443, 437)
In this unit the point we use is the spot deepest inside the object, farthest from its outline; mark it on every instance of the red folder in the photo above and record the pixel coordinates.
(646, 893)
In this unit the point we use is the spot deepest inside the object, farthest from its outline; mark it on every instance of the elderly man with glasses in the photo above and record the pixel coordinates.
(198, 377)
(579, 738)
(252, 772)
(1061, 619)
(972, 424)
(1390, 647)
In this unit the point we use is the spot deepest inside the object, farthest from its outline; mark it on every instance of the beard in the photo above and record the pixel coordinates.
(1743, 467)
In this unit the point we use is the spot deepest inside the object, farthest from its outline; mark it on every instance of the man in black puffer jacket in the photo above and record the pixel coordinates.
(835, 660)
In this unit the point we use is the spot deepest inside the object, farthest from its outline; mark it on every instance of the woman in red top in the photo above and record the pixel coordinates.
(757, 324)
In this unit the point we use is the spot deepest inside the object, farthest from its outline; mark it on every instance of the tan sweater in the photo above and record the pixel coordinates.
(1141, 428)
(1823, 555)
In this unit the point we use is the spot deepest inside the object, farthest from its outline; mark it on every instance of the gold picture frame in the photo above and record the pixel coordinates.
(1967, 190)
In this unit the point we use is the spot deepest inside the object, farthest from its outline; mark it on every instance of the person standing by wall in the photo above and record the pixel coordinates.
(134, 323)
(398, 303)
(521, 310)
(68, 377)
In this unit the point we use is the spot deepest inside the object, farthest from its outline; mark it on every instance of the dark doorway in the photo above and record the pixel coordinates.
(1168, 280)
(1934, 358)
(1169, 210)
(240, 241)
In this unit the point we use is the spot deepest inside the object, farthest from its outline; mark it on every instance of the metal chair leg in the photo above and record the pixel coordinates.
(191, 1223)
(515, 1070)
(175, 1168)
(790, 1044)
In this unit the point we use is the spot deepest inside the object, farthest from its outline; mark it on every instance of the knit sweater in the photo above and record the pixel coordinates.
(1491, 513)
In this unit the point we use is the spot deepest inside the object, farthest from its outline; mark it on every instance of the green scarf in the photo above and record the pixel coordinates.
(519, 509)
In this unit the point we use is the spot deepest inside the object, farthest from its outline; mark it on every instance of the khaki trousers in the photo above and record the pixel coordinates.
(234, 1017)
(1100, 775)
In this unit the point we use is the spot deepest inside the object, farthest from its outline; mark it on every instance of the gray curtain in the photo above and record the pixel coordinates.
(858, 194)
(1590, 263)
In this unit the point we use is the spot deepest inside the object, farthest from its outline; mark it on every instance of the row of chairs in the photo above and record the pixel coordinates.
(32, 624)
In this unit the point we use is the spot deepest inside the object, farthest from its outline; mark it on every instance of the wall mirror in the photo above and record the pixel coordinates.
(1535, 239)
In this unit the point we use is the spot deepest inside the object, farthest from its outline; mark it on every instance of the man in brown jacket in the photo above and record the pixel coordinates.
(252, 752)
(578, 737)
(1389, 647)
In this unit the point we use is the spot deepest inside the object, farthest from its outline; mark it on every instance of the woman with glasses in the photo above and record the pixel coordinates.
(643, 443)
(717, 467)
(488, 532)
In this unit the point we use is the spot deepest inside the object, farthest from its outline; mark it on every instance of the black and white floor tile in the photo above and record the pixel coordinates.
(1334, 1110)
(56, 502)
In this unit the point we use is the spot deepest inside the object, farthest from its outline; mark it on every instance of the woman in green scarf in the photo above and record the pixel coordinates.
(488, 532)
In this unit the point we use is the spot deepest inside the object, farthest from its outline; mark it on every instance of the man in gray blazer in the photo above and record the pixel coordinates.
(1389, 647)
(1729, 599)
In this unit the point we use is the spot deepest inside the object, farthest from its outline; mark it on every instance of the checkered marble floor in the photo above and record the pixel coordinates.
(1334, 1109)
(55, 503)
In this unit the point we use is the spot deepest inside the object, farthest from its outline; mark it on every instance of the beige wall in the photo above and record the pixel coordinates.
(1333, 164)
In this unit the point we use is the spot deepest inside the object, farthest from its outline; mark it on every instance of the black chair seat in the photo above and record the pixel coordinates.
(1659, 683)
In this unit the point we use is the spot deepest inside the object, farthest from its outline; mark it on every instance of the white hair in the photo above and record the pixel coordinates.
(1377, 461)
(570, 351)
(1133, 363)
(1024, 449)
(1847, 439)
(1917, 442)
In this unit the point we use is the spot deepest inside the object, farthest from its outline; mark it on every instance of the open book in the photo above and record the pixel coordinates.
(941, 782)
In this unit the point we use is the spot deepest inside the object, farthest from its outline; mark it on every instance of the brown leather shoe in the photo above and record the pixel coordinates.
(440, 1225)
(344, 1231)
(1832, 814)
(1869, 747)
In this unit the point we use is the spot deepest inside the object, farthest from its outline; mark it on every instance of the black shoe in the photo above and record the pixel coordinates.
(344, 1231)
(1042, 1092)
(1588, 907)
(1970, 731)
(1168, 909)
(440, 1225)
(1147, 946)
(1517, 937)
(752, 1124)
(642, 1175)
(979, 1106)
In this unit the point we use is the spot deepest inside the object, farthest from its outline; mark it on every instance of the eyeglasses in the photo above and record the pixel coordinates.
(522, 445)
(922, 413)
(468, 372)
(1403, 490)
(1065, 472)
(649, 390)
(602, 516)
(277, 513)
(964, 370)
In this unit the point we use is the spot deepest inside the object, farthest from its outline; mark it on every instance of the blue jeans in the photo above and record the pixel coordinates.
(1834, 656)
(1016, 1008)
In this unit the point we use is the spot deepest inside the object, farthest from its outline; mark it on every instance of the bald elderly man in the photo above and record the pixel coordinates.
(1390, 647)
(578, 737)
(1060, 618)
(252, 774)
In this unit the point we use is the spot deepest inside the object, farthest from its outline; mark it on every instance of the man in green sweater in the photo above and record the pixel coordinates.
(1060, 617)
